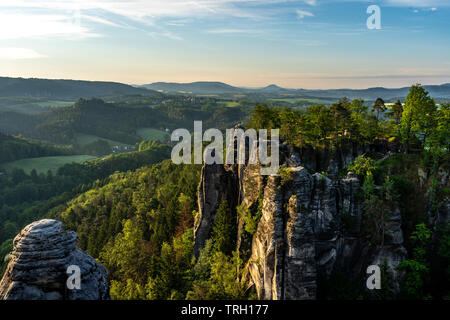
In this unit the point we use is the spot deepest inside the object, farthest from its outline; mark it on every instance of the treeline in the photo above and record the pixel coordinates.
(418, 124)
(13, 148)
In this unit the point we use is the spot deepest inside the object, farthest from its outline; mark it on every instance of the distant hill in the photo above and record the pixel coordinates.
(203, 87)
(273, 88)
(437, 91)
(64, 89)
(74, 89)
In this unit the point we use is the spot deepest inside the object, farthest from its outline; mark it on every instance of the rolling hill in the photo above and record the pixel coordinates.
(64, 89)
(74, 89)
(201, 88)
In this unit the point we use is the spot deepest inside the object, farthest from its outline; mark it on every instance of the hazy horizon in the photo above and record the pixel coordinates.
(231, 84)
(311, 44)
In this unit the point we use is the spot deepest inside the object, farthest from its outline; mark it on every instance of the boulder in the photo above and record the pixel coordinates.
(39, 262)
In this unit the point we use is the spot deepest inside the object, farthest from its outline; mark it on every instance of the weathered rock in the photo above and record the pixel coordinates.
(284, 251)
(38, 265)
(311, 225)
(268, 246)
(217, 183)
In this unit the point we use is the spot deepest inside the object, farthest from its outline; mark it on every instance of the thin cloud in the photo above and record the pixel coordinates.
(418, 3)
(143, 13)
(311, 43)
(302, 14)
(19, 54)
(233, 31)
(164, 34)
(391, 3)
(148, 9)
(101, 20)
(16, 26)
(400, 75)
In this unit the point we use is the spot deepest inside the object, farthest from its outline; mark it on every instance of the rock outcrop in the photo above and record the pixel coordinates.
(38, 266)
(311, 224)
(301, 236)
(220, 185)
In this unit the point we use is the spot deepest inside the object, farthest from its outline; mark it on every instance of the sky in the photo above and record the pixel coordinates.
(313, 44)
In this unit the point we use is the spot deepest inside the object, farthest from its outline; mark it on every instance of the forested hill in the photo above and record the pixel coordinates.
(116, 121)
(201, 87)
(12, 148)
(64, 89)
(74, 89)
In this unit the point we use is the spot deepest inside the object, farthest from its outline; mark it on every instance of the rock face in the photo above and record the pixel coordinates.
(302, 236)
(311, 225)
(38, 265)
(220, 185)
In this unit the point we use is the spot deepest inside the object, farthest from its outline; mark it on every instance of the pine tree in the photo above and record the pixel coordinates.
(223, 230)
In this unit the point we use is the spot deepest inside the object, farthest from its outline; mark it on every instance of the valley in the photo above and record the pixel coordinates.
(368, 178)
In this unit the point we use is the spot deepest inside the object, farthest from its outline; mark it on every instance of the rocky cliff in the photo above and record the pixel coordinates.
(38, 266)
(311, 224)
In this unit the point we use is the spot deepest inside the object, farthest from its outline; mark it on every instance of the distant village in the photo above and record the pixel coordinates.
(122, 149)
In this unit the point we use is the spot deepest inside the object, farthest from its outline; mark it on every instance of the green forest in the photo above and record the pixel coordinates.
(135, 212)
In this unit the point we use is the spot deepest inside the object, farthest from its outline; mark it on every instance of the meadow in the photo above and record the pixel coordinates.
(153, 134)
(85, 139)
(31, 105)
(43, 164)
(303, 100)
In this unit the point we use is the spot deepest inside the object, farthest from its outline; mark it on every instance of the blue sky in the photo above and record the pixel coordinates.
(292, 43)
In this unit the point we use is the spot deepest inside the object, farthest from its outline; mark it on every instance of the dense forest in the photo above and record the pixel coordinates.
(13, 148)
(117, 121)
(28, 197)
(413, 176)
(143, 220)
(135, 212)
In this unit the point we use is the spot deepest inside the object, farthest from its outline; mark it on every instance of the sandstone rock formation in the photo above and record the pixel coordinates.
(311, 225)
(38, 265)
(301, 236)
(220, 185)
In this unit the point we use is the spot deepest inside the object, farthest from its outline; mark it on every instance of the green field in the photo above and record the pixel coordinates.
(84, 139)
(303, 100)
(153, 134)
(55, 104)
(43, 164)
(230, 104)
(31, 105)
